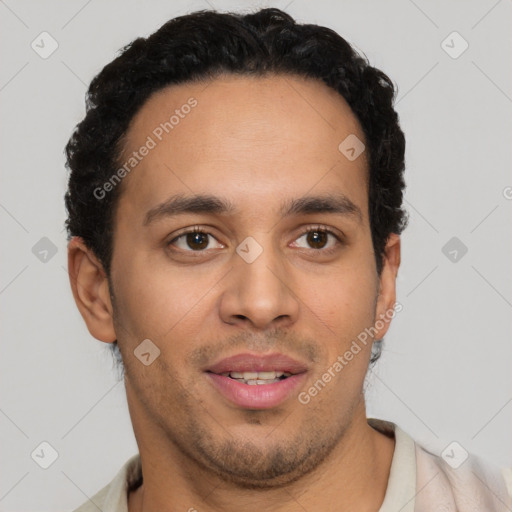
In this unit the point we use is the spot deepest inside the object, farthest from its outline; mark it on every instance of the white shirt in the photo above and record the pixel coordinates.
(419, 481)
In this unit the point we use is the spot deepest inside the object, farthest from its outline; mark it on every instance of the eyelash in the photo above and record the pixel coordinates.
(310, 229)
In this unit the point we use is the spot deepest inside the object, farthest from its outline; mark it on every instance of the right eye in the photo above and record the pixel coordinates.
(193, 240)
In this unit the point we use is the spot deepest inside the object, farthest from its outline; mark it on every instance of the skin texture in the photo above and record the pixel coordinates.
(256, 142)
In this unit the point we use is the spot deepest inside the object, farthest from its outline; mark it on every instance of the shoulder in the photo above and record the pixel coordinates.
(459, 481)
(97, 501)
(431, 478)
(114, 496)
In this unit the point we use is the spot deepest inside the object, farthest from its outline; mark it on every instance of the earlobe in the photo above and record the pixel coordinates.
(91, 291)
(387, 284)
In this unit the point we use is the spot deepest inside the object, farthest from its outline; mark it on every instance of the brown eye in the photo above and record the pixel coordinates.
(197, 240)
(318, 239)
(194, 240)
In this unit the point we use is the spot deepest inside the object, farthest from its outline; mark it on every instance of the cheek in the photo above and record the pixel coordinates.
(343, 310)
(160, 303)
(343, 304)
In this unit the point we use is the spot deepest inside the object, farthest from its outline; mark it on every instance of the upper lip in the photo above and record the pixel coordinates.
(248, 362)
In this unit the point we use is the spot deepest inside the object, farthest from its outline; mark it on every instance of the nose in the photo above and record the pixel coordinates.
(259, 293)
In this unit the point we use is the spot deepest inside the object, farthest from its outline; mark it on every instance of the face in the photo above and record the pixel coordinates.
(274, 271)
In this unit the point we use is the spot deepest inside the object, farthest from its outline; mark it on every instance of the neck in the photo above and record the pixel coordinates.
(353, 477)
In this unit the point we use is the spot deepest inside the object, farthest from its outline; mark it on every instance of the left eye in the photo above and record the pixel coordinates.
(319, 238)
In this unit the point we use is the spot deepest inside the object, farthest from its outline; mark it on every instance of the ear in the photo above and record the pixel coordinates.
(387, 285)
(90, 290)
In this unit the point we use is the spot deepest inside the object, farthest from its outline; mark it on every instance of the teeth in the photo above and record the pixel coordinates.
(266, 375)
(253, 382)
(256, 378)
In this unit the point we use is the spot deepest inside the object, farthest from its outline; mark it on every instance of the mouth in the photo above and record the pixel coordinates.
(257, 378)
(254, 381)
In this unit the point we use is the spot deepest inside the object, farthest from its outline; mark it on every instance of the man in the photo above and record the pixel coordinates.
(234, 218)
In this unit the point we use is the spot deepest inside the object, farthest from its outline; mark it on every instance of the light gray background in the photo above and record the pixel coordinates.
(446, 370)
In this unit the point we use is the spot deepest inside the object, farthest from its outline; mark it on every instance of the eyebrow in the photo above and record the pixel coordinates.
(338, 204)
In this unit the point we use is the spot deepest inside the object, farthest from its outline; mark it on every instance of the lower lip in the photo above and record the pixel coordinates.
(257, 396)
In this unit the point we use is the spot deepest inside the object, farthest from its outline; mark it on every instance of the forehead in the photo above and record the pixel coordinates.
(251, 139)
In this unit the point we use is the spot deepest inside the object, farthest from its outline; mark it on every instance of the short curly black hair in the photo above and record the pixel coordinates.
(200, 46)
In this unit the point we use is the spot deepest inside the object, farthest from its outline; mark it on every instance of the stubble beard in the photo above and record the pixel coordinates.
(247, 465)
